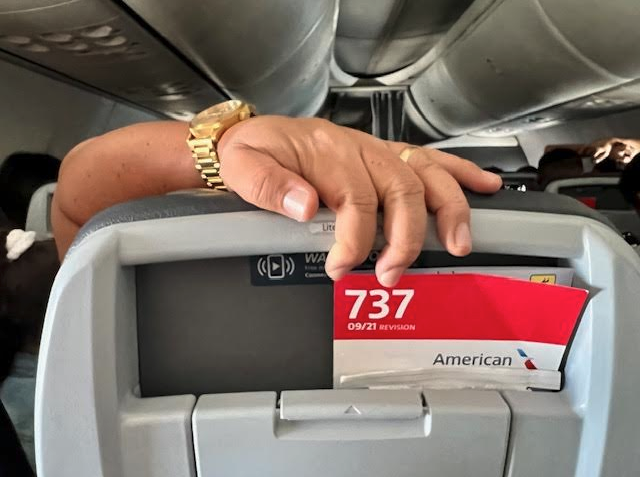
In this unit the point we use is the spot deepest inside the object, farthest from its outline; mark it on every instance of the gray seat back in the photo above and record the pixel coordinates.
(164, 353)
(606, 194)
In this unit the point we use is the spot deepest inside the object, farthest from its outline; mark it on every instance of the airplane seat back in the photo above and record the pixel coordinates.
(173, 347)
(602, 193)
(39, 212)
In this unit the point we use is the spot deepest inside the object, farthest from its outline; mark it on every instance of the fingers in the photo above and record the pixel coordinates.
(330, 161)
(356, 220)
(601, 153)
(446, 199)
(405, 215)
(465, 172)
(260, 180)
(352, 172)
(271, 176)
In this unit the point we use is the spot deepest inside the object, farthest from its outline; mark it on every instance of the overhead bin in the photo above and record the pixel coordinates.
(375, 38)
(173, 346)
(505, 60)
(274, 54)
(97, 43)
(178, 58)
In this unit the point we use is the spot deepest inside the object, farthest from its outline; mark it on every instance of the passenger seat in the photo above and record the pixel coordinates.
(174, 347)
(39, 213)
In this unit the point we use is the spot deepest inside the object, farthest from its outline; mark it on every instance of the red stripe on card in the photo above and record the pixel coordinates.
(459, 307)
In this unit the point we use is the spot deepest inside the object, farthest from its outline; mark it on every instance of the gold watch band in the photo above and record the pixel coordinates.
(203, 151)
(205, 131)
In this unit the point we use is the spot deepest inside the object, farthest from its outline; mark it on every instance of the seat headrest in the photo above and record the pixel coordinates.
(204, 202)
(39, 213)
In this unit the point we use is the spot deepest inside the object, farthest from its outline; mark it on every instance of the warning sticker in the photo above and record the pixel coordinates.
(308, 269)
(288, 269)
(295, 268)
(549, 279)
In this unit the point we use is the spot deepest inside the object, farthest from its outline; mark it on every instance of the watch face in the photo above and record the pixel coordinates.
(207, 118)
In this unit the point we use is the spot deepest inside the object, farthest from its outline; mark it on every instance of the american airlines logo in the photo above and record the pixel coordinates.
(528, 362)
(482, 360)
(475, 360)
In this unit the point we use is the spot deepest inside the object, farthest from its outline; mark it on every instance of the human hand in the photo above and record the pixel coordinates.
(287, 165)
(621, 150)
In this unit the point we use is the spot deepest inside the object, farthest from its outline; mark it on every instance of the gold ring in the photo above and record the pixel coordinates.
(407, 152)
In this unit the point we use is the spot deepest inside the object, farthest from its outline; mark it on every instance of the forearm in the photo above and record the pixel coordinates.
(287, 165)
(133, 162)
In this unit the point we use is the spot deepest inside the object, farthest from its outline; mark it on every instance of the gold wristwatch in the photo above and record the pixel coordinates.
(206, 129)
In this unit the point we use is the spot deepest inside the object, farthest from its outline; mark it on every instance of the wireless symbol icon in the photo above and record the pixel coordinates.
(276, 267)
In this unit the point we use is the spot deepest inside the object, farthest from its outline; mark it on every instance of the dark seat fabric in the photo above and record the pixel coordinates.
(13, 461)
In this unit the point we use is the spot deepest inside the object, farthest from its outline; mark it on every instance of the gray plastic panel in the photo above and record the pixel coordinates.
(261, 330)
(88, 368)
(544, 437)
(459, 433)
(281, 337)
(204, 201)
(90, 421)
(157, 437)
(333, 404)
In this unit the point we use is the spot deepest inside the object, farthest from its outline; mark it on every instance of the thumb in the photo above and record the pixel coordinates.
(263, 182)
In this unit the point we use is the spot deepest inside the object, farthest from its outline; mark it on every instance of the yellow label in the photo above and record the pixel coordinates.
(550, 279)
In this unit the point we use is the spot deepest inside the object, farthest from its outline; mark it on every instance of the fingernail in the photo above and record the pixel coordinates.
(492, 176)
(295, 202)
(462, 236)
(390, 277)
(337, 273)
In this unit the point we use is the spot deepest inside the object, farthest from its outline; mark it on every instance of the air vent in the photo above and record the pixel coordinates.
(117, 40)
(17, 40)
(169, 91)
(96, 43)
(101, 31)
(36, 48)
(57, 37)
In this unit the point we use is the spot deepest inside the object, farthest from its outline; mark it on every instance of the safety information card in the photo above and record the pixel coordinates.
(461, 320)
